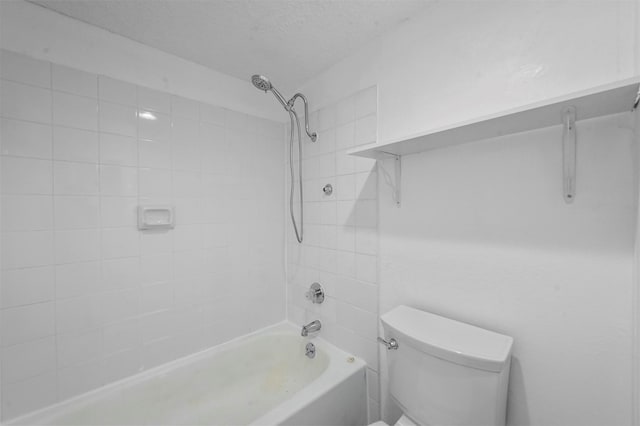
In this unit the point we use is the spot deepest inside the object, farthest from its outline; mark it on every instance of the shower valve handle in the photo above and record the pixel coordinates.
(315, 293)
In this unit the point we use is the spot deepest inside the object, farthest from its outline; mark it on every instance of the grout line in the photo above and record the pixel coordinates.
(53, 239)
(100, 221)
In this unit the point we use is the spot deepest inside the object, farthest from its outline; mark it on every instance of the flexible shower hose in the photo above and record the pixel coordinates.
(294, 117)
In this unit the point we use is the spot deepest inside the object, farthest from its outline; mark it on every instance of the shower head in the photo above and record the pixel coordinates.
(261, 82)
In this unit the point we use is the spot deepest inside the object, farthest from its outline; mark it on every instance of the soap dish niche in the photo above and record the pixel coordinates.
(156, 217)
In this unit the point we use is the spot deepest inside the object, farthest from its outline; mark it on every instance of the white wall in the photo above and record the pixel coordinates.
(483, 234)
(86, 298)
(464, 59)
(40, 33)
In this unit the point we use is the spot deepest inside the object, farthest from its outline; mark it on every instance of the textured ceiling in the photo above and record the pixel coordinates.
(287, 40)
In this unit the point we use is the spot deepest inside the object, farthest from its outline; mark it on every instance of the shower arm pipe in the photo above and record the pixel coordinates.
(313, 136)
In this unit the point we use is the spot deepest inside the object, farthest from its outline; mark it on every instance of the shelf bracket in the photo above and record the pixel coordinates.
(395, 182)
(569, 154)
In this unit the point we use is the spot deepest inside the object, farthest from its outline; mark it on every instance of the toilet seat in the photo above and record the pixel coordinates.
(402, 421)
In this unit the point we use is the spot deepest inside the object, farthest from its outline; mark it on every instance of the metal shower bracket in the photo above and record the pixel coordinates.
(569, 154)
(396, 181)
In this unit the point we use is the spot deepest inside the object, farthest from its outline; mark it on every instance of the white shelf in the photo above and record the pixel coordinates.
(602, 100)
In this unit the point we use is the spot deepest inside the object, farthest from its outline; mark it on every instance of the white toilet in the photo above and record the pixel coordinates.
(446, 372)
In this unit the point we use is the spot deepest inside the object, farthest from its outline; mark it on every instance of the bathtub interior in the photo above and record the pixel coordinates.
(235, 384)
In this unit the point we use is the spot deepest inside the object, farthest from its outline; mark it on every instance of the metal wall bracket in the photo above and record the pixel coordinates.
(395, 181)
(569, 154)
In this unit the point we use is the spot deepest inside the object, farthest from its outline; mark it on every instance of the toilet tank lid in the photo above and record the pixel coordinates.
(448, 339)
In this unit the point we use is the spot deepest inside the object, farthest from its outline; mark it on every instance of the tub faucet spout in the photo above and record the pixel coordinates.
(312, 327)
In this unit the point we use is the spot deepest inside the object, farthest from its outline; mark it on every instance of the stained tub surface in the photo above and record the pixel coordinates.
(261, 379)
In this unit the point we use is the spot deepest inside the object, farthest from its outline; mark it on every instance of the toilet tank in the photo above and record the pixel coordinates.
(447, 372)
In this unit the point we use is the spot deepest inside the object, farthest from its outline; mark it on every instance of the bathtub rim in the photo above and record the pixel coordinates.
(341, 364)
(48, 413)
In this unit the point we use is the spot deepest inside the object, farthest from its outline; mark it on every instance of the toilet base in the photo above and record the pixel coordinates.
(402, 421)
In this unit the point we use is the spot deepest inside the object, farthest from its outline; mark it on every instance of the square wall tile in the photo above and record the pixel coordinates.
(186, 183)
(155, 269)
(118, 119)
(27, 249)
(79, 245)
(155, 182)
(118, 150)
(120, 305)
(25, 139)
(367, 213)
(120, 242)
(120, 273)
(27, 323)
(345, 111)
(75, 178)
(75, 111)
(75, 145)
(26, 286)
(79, 314)
(327, 118)
(79, 347)
(77, 279)
(24, 102)
(366, 268)
(367, 186)
(26, 176)
(120, 336)
(118, 181)
(27, 360)
(366, 130)
(27, 212)
(154, 126)
(118, 212)
(155, 242)
(156, 297)
(345, 136)
(154, 154)
(346, 187)
(344, 163)
(76, 212)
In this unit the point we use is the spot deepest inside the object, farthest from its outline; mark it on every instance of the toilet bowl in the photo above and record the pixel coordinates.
(445, 372)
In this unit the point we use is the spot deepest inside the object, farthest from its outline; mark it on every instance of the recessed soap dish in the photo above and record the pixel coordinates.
(156, 217)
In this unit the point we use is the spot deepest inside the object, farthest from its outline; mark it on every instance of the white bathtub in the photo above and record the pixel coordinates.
(261, 379)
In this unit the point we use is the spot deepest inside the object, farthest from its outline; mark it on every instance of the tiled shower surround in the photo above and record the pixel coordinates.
(87, 298)
(340, 246)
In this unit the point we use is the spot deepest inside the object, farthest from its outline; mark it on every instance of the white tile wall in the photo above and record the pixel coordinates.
(86, 298)
(341, 240)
